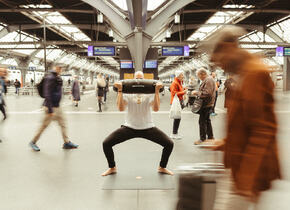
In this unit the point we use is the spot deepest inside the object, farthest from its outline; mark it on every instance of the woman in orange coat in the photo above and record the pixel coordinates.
(177, 88)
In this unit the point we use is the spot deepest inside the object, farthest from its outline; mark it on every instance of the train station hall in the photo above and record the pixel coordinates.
(144, 104)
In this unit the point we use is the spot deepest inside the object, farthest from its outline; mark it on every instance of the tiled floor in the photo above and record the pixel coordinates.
(54, 179)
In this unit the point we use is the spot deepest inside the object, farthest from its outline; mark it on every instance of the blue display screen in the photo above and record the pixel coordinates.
(186, 50)
(286, 51)
(90, 50)
(126, 64)
(103, 51)
(173, 51)
(151, 64)
(279, 51)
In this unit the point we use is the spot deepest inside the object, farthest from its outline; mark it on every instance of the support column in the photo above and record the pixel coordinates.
(92, 77)
(286, 74)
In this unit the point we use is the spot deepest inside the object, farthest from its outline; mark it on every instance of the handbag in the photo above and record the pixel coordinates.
(175, 110)
(197, 105)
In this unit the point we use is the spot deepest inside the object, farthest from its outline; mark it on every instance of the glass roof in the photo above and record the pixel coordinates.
(282, 29)
(218, 18)
(64, 26)
(151, 5)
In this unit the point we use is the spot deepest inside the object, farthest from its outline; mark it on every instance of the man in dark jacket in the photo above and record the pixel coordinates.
(52, 93)
(207, 93)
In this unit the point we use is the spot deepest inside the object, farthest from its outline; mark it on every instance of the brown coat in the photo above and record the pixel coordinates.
(251, 146)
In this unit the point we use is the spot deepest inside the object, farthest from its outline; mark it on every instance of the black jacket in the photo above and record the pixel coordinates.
(52, 91)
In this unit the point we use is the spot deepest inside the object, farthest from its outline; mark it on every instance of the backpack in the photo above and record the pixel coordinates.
(39, 87)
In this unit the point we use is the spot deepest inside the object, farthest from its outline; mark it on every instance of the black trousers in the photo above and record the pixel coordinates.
(2, 109)
(216, 95)
(124, 133)
(205, 127)
(176, 123)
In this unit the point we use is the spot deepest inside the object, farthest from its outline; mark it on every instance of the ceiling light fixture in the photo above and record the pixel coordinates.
(100, 18)
(177, 18)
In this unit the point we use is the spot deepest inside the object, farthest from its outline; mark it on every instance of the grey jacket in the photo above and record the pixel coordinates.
(207, 92)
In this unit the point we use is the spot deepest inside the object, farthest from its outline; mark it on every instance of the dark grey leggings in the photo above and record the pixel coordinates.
(124, 133)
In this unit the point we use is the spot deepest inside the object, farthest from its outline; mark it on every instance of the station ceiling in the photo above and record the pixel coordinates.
(75, 20)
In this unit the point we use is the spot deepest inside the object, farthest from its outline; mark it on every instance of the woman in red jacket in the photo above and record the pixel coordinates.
(176, 88)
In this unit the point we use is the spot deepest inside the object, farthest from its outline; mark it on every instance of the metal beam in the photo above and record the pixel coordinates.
(177, 28)
(124, 44)
(280, 11)
(158, 19)
(112, 13)
(101, 28)
(13, 10)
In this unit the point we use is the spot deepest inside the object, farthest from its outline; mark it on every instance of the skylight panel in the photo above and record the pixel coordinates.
(219, 18)
(121, 3)
(282, 29)
(153, 4)
(9, 61)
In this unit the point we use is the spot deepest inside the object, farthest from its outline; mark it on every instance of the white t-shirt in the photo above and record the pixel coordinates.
(138, 113)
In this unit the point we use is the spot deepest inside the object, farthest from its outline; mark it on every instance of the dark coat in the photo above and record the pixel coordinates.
(76, 90)
(251, 145)
(52, 91)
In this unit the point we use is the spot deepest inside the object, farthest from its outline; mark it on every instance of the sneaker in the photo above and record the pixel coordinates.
(69, 145)
(34, 146)
(213, 114)
(198, 142)
(177, 136)
(173, 136)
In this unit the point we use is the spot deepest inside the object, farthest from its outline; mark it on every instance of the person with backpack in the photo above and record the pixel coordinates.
(51, 89)
(101, 85)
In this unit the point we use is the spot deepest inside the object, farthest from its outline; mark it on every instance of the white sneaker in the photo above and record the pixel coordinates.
(177, 136)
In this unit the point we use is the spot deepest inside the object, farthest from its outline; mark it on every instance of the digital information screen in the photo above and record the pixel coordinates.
(101, 51)
(173, 51)
(126, 64)
(151, 64)
(186, 50)
(286, 51)
(104, 51)
(90, 50)
(279, 51)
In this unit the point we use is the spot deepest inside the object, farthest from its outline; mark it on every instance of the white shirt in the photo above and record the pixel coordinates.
(138, 114)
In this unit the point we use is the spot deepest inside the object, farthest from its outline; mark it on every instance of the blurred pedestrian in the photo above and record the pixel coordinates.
(76, 91)
(52, 91)
(17, 86)
(100, 88)
(229, 87)
(106, 88)
(206, 92)
(250, 146)
(3, 73)
(176, 88)
(217, 85)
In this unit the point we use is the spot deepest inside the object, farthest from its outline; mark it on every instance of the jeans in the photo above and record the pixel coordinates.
(176, 123)
(205, 127)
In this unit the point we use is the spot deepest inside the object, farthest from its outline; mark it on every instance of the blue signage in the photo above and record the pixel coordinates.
(286, 51)
(186, 50)
(151, 64)
(104, 51)
(126, 64)
(101, 51)
(90, 50)
(173, 51)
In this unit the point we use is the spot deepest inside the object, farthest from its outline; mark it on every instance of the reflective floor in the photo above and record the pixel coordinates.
(71, 180)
